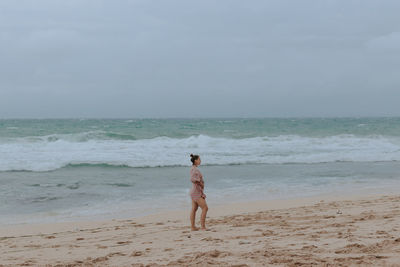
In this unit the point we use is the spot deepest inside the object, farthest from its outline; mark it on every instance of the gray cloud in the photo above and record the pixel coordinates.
(199, 58)
(386, 43)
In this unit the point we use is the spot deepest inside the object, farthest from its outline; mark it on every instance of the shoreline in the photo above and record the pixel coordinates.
(36, 198)
(181, 214)
(275, 232)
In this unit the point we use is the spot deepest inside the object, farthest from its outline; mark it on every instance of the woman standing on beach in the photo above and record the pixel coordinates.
(197, 194)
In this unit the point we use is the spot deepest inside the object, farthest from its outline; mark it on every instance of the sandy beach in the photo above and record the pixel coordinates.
(325, 230)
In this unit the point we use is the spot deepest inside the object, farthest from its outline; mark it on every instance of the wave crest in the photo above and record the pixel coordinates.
(51, 154)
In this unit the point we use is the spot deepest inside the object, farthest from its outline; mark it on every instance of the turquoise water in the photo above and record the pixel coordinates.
(66, 169)
(134, 129)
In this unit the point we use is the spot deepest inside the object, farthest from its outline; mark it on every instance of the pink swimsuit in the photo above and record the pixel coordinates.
(198, 184)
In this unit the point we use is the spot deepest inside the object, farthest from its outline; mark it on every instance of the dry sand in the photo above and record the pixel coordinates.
(322, 231)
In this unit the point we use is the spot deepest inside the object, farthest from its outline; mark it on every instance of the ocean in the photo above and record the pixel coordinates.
(55, 170)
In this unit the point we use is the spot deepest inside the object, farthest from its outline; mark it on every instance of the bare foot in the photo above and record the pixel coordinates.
(204, 229)
(195, 228)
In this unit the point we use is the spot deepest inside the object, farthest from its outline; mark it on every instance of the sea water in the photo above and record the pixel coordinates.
(72, 169)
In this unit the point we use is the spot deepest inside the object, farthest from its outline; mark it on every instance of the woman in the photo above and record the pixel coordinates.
(197, 194)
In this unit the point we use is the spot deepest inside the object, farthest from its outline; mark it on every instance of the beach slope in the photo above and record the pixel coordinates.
(315, 231)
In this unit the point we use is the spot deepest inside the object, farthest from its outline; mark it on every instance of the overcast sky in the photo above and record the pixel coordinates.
(167, 58)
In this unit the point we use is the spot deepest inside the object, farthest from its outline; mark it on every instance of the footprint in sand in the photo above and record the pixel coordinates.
(215, 240)
(136, 253)
(28, 263)
(124, 242)
(116, 254)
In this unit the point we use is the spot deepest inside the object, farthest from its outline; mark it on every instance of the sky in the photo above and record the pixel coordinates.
(190, 59)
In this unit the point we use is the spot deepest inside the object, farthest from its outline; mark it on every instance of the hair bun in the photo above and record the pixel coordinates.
(191, 155)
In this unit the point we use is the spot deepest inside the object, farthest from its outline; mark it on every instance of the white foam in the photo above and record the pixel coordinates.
(55, 151)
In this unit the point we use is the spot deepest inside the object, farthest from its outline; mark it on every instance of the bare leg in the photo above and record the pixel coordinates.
(204, 208)
(195, 206)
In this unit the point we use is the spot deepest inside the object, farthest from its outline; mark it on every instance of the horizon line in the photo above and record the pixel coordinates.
(169, 118)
